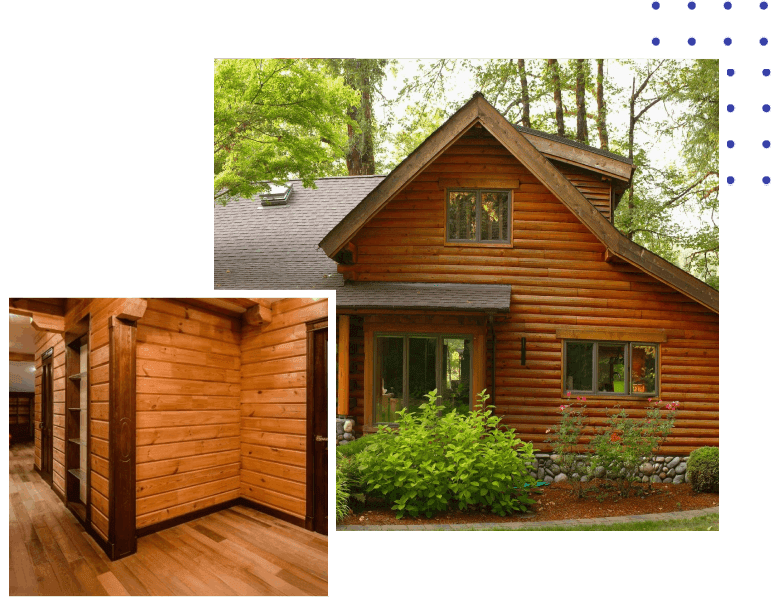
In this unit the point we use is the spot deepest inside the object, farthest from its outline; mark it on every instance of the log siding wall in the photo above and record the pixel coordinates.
(559, 278)
(273, 416)
(188, 390)
(43, 342)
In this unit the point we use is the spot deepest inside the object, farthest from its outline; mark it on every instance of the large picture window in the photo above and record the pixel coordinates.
(611, 368)
(478, 215)
(407, 367)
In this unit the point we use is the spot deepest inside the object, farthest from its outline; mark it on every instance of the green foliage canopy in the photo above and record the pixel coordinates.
(276, 119)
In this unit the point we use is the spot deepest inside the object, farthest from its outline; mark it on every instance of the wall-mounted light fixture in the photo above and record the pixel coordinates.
(523, 357)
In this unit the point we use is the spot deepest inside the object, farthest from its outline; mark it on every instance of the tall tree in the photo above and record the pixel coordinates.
(275, 119)
(364, 76)
(602, 125)
(525, 94)
(554, 71)
(582, 133)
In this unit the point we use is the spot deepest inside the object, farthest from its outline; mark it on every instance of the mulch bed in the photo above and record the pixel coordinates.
(556, 503)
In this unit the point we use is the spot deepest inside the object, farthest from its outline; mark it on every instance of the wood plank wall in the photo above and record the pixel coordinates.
(188, 400)
(43, 342)
(558, 278)
(273, 420)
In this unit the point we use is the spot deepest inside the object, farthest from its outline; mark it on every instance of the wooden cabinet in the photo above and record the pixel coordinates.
(76, 423)
(21, 412)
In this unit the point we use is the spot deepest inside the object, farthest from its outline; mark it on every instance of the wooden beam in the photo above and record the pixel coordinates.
(343, 362)
(17, 356)
(257, 315)
(644, 335)
(132, 309)
(479, 182)
(26, 307)
(48, 323)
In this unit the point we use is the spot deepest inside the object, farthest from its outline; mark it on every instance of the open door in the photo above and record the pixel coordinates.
(318, 444)
(46, 424)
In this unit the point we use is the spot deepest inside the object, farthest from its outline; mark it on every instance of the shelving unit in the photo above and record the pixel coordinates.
(20, 412)
(76, 424)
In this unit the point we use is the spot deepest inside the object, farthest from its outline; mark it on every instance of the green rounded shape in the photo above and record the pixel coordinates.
(704, 468)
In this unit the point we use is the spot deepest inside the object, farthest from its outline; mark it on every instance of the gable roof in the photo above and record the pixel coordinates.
(274, 247)
(479, 111)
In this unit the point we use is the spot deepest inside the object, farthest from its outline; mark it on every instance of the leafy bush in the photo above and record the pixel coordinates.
(565, 438)
(704, 468)
(342, 493)
(434, 460)
(625, 442)
(355, 447)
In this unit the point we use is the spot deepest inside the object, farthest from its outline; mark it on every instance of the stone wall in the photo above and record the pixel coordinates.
(345, 430)
(657, 469)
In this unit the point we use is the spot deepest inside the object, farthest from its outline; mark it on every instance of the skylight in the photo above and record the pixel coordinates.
(277, 196)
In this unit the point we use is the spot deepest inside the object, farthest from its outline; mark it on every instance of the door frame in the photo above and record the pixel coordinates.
(311, 430)
(47, 416)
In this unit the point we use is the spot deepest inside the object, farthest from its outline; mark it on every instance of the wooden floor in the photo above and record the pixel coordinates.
(238, 551)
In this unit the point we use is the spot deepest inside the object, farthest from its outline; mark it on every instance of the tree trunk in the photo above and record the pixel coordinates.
(581, 131)
(555, 80)
(632, 120)
(525, 95)
(602, 125)
(360, 158)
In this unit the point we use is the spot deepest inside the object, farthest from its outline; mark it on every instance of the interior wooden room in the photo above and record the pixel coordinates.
(178, 447)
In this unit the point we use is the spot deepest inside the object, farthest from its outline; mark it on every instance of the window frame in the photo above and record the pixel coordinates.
(595, 392)
(478, 191)
(406, 362)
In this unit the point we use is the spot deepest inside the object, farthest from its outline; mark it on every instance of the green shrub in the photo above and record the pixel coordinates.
(626, 442)
(355, 447)
(565, 438)
(342, 494)
(434, 460)
(703, 469)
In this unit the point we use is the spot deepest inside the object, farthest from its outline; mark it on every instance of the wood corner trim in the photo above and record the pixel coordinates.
(643, 335)
(48, 323)
(132, 309)
(257, 315)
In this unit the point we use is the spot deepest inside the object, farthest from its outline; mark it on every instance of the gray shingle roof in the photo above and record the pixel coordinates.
(415, 295)
(572, 143)
(276, 247)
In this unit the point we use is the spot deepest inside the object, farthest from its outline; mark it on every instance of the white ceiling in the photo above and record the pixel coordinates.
(21, 337)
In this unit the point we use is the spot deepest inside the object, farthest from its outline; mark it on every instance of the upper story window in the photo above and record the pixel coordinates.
(479, 215)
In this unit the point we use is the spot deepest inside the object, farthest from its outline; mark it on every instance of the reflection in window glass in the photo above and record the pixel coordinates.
(643, 368)
(610, 367)
(389, 378)
(422, 370)
(495, 216)
(579, 366)
(461, 215)
(456, 373)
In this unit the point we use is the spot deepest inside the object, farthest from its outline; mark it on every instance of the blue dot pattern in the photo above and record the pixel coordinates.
(725, 40)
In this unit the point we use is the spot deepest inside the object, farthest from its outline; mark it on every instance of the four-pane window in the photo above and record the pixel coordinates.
(603, 367)
(478, 215)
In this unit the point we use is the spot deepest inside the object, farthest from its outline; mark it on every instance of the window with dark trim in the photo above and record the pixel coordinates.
(611, 368)
(478, 215)
(408, 366)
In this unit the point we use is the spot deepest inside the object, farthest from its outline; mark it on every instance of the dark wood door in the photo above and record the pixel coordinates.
(47, 420)
(318, 444)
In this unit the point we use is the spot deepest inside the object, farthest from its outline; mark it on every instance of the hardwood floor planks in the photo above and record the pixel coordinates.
(238, 551)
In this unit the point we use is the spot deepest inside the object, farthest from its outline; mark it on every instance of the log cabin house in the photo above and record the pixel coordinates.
(488, 259)
(151, 413)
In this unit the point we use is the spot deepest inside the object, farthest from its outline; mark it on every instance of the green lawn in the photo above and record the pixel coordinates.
(707, 522)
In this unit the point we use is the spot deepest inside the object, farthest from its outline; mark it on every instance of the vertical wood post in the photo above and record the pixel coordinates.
(343, 363)
(122, 530)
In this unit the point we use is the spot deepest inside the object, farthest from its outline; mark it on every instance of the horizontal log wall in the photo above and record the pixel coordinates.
(273, 416)
(559, 278)
(188, 390)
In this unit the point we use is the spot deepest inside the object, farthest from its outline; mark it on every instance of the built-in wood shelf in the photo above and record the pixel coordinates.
(79, 442)
(79, 376)
(80, 474)
(77, 409)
